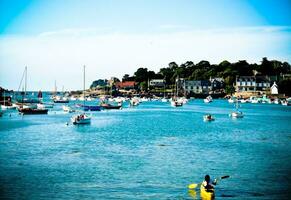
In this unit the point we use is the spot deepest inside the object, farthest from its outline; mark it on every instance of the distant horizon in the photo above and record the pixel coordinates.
(115, 38)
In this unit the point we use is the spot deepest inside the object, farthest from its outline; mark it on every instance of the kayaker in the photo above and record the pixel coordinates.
(207, 183)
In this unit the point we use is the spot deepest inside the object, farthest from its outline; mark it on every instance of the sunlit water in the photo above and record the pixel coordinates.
(152, 151)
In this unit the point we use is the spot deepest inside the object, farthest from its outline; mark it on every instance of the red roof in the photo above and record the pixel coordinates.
(125, 84)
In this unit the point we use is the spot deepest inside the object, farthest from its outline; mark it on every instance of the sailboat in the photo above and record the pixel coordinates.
(31, 108)
(6, 105)
(61, 99)
(236, 113)
(164, 99)
(82, 118)
(175, 100)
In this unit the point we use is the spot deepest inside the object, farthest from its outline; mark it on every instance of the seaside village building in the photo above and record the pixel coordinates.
(213, 85)
(274, 89)
(126, 85)
(252, 84)
(157, 83)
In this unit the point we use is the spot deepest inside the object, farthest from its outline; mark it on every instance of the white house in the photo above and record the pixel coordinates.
(157, 82)
(274, 88)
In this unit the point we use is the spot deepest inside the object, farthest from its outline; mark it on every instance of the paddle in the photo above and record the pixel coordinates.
(195, 185)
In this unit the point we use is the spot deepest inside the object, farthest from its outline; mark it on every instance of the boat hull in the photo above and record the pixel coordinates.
(236, 115)
(108, 107)
(29, 111)
(77, 120)
(61, 101)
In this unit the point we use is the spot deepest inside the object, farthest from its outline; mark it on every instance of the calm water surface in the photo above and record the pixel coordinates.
(152, 151)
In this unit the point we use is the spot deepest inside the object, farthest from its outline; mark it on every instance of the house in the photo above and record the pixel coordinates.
(274, 88)
(126, 85)
(252, 83)
(157, 83)
(217, 84)
(197, 86)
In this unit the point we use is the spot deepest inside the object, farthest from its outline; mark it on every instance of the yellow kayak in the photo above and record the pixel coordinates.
(206, 194)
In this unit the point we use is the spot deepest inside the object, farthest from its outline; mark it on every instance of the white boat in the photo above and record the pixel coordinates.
(254, 99)
(82, 118)
(88, 99)
(232, 99)
(208, 99)
(243, 101)
(31, 106)
(68, 109)
(134, 101)
(144, 99)
(164, 100)
(284, 103)
(72, 98)
(176, 103)
(81, 99)
(236, 113)
(6, 107)
(276, 101)
(44, 105)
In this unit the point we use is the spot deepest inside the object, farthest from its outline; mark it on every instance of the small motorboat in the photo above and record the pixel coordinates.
(134, 102)
(236, 114)
(88, 107)
(208, 118)
(176, 104)
(8, 107)
(81, 119)
(68, 109)
(208, 99)
(61, 101)
(45, 105)
(109, 106)
(32, 111)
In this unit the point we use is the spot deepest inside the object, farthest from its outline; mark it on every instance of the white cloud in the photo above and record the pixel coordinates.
(60, 55)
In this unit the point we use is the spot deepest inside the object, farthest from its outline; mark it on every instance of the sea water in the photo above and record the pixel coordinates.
(152, 151)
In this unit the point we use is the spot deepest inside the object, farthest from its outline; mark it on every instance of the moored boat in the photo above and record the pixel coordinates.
(176, 103)
(61, 101)
(68, 109)
(109, 106)
(45, 105)
(81, 119)
(236, 113)
(208, 99)
(88, 107)
(32, 111)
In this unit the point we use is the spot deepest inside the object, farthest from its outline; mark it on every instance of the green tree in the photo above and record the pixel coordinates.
(141, 75)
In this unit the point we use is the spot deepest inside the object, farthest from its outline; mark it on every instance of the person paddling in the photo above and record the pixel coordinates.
(208, 184)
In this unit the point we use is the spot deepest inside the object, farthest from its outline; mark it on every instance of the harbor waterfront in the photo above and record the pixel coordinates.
(151, 151)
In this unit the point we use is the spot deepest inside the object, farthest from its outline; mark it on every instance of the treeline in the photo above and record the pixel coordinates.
(204, 70)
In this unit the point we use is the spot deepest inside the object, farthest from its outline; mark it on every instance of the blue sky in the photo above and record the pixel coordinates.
(56, 37)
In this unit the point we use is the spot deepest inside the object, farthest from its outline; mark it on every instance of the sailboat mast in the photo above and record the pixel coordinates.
(25, 84)
(84, 88)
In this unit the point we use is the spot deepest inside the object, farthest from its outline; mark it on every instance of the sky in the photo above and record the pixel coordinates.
(54, 38)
